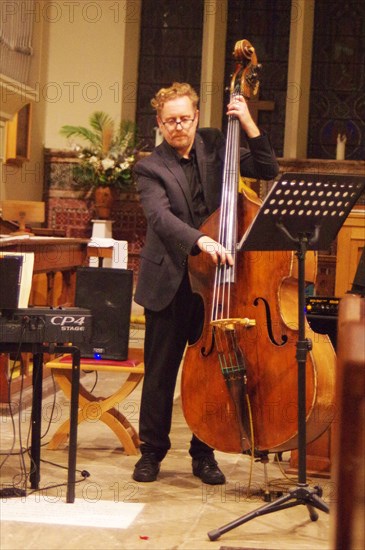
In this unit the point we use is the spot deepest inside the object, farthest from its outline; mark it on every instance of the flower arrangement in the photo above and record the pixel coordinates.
(108, 158)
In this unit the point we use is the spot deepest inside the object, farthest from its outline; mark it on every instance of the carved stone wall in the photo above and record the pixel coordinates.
(68, 210)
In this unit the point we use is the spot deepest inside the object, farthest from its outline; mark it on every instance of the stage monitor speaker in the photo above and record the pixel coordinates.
(107, 292)
(358, 285)
(322, 324)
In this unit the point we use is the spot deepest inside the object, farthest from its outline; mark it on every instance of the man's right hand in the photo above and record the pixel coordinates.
(217, 252)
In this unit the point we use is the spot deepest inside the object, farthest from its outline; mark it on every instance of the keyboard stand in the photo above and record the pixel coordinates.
(37, 350)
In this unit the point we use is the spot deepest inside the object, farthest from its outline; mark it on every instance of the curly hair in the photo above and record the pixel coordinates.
(177, 89)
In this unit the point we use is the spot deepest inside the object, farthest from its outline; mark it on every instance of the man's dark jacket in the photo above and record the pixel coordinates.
(167, 204)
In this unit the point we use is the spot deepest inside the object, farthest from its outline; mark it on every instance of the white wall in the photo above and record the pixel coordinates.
(85, 64)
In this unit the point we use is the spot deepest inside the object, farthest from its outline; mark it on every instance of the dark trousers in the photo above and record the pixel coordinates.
(167, 333)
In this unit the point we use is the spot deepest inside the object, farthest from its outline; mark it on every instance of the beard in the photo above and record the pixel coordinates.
(180, 141)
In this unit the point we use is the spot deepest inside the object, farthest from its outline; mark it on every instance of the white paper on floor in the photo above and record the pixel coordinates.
(100, 513)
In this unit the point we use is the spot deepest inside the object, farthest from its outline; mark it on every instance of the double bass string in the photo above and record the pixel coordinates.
(224, 274)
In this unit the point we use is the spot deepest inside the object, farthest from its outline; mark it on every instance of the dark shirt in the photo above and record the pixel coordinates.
(191, 170)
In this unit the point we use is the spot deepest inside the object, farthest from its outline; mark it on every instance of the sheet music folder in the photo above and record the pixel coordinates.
(10, 277)
(303, 204)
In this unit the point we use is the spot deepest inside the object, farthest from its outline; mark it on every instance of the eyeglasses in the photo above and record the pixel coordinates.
(171, 124)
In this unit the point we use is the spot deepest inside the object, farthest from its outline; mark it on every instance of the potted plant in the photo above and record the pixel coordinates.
(106, 159)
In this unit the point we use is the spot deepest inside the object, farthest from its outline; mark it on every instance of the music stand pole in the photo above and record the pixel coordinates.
(303, 345)
(300, 212)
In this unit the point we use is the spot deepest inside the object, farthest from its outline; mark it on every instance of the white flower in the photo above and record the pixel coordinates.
(93, 160)
(124, 165)
(108, 163)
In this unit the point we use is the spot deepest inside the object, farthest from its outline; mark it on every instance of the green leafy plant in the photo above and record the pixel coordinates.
(110, 153)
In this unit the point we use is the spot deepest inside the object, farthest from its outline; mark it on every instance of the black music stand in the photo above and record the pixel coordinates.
(301, 212)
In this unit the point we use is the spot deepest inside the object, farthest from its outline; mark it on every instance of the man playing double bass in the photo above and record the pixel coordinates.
(180, 186)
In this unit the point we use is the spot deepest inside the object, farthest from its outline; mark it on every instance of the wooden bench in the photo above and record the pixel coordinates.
(101, 408)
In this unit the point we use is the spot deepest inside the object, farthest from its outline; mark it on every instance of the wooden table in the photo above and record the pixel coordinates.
(51, 255)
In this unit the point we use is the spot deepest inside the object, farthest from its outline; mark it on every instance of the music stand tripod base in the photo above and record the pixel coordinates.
(301, 212)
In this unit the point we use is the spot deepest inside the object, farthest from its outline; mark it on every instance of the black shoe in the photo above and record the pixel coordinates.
(147, 468)
(206, 468)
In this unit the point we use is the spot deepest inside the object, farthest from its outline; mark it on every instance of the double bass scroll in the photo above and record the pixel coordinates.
(245, 79)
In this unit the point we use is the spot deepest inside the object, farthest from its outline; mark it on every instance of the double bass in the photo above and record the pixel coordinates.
(239, 378)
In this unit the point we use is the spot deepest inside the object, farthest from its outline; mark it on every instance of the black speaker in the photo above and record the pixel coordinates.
(358, 285)
(107, 292)
(323, 324)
